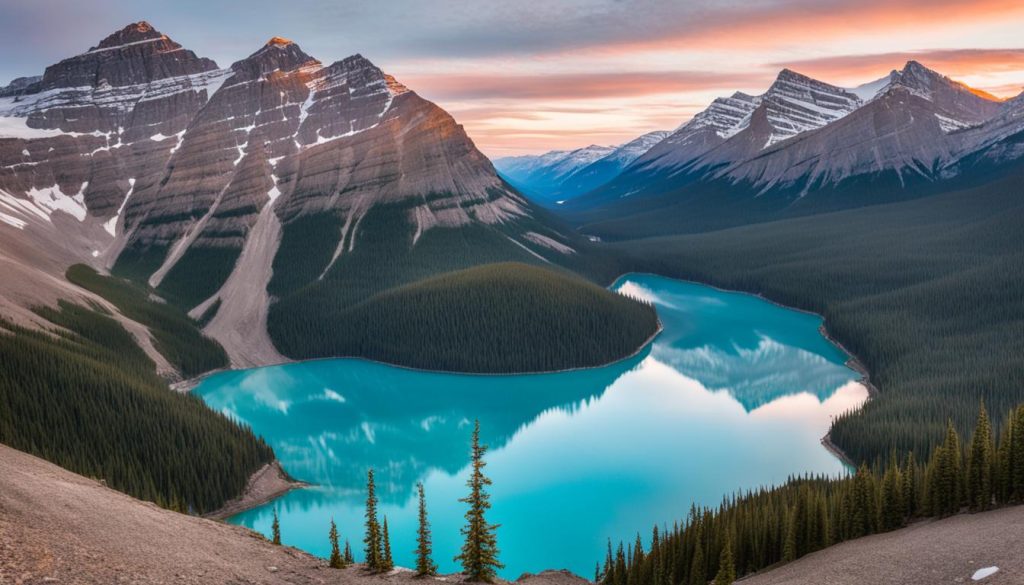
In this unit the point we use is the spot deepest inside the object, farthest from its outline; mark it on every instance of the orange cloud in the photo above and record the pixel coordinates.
(772, 25)
(577, 85)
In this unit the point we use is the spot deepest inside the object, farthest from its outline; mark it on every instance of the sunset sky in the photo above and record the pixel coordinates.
(535, 75)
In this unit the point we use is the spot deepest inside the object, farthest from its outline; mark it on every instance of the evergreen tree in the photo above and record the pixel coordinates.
(1016, 458)
(479, 556)
(386, 562)
(909, 486)
(892, 509)
(372, 540)
(336, 560)
(945, 475)
(349, 559)
(424, 546)
(726, 565)
(275, 528)
(979, 464)
(698, 570)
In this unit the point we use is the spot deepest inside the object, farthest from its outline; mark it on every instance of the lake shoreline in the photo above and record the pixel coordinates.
(266, 484)
(186, 386)
(853, 361)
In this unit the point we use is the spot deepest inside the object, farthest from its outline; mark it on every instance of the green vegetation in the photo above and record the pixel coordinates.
(373, 546)
(199, 274)
(349, 309)
(336, 561)
(387, 563)
(425, 565)
(275, 528)
(479, 556)
(87, 398)
(758, 529)
(494, 318)
(175, 335)
(926, 293)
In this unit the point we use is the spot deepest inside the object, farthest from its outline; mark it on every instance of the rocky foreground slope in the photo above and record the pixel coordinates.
(58, 527)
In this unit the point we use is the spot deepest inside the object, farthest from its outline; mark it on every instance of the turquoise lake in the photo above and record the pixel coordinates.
(735, 393)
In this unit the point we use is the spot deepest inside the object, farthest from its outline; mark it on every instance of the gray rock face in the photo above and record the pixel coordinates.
(703, 132)
(20, 85)
(98, 121)
(171, 165)
(908, 129)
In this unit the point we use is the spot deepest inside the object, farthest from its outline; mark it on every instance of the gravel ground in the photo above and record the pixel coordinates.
(58, 527)
(932, 552)
(266, 484)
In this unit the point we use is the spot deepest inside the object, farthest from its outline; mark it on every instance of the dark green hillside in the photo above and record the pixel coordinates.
(311, 316)
(926, 292)
(506, 317)
(88, 399)
(175, 335)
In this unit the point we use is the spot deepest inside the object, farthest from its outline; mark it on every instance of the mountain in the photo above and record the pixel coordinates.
(541, 176)
(265, 197)
(806, 147)
(557, 176)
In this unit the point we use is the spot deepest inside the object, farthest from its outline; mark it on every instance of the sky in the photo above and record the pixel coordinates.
(528, 76)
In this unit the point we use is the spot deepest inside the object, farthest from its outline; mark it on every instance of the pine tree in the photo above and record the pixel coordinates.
(698, 571)
(336, 561)
(945, 475)
(726, 565)
(424, 547)
(349, 559)
(909, 487)
(608, 577)
(275, 528)
(386, 562)
(1016, 458)
(479, 556)
(979, 464)
(372, 540)
(892, 497)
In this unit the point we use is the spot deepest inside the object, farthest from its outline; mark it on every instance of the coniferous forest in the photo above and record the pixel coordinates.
(506, 317)
(758, 529)
(84, 396)
(926, 293)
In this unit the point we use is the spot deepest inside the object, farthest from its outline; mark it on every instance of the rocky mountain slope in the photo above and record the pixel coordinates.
(803, 147)
(213, 185)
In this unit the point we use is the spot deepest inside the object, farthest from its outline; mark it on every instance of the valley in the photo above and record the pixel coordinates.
(731, 377)
(778, 341)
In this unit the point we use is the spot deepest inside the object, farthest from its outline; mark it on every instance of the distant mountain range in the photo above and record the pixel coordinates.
(557, 176)
(265, 194)
(804, 146)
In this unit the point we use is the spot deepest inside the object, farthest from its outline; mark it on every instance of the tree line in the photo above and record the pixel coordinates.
(926, 293)
(84, 396)
(758, 529)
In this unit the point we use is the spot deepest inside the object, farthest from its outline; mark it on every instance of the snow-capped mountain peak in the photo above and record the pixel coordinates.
(796, 103)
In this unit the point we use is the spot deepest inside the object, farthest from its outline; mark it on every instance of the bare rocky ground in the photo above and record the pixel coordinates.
(266, 484)
(931, 552)
(59, 527)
